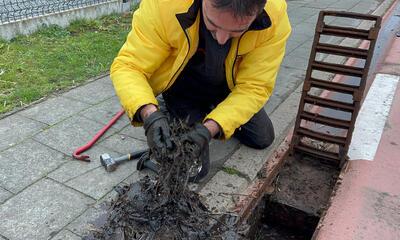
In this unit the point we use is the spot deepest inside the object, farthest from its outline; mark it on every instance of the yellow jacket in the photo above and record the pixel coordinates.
(164, 37)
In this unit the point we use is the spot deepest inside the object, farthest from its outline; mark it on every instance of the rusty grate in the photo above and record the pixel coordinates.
(325, 122)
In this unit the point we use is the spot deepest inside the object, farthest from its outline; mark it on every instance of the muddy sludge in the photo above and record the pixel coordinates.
(163, 207)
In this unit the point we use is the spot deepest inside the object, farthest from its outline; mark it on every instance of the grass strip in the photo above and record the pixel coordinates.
(55, 58)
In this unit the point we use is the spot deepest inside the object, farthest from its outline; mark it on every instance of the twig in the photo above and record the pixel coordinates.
(237, 194)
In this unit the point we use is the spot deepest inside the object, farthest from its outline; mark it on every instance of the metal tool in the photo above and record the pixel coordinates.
(146, 162)
(110, 164)
(77, 153)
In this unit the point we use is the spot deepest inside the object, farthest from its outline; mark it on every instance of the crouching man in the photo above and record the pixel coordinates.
(213, 61)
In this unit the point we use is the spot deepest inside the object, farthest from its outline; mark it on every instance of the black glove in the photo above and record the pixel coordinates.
(158, 133)
(200, 136)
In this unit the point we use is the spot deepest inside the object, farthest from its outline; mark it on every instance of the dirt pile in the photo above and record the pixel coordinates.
(163, 207)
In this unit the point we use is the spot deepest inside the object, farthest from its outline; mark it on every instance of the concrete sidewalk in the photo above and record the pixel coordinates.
(44, 194)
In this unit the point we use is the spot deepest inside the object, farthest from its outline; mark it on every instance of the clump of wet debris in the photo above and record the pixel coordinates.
(163, 207)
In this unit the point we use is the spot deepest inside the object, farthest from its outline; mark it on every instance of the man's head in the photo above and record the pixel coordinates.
(230, 18)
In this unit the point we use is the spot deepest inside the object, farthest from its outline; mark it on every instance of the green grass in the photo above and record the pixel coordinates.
(54, 58)
(231, 171)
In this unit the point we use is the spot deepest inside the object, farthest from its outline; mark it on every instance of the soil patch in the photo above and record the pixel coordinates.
(305, 184)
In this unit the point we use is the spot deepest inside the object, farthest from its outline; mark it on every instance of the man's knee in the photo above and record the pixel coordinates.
(261, 141)
(260, 138)
(266, 142)
(258, 133)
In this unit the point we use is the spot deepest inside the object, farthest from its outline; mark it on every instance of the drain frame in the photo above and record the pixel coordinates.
(356, 91)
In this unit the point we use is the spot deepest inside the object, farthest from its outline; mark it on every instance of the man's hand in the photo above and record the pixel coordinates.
(212, 126)
(158, 133)
(200, 136)
(147, 110)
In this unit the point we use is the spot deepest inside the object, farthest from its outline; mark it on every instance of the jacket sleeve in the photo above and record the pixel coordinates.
(144, 51)
(255, 79)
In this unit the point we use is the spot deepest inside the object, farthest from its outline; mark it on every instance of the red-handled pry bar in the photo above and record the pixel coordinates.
(85, 158)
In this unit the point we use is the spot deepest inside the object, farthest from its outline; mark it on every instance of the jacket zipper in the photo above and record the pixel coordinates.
(187, 53)
(234, 62)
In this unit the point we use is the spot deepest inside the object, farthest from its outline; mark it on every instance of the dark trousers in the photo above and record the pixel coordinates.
(257, 133)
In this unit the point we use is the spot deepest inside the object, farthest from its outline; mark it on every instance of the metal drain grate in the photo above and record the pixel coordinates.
(325, 122)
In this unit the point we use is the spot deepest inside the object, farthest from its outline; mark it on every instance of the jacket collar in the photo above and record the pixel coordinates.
(263, 21)
(188, 18)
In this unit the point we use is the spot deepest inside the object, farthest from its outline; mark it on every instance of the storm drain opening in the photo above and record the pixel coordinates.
(301, 193)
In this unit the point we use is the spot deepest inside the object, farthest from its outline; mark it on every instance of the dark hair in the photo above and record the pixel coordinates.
(240, 8)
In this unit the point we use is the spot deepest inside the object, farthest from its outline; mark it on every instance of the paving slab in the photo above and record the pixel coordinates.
(54, 110)
(313, 19)
(134, 132)
(283, 117)
(123, 144)
(303, 50)
(220, 151)
(296, 20)
(320, 4)
(344, 4)
(92, 93)
(221, 191)
(98, 182)
(296, 62)
(15, 128)
(272, 104)
(330, 39)
(73, 168)
(247, 161)
(71, 134)
(66, 235)
(298, 36)
(4, 195)
(42, 209)
(302, 35)
(105, 111)
(294, 5)
(343, 22)
(365, 6)
(112, 195)
(288, 79)
(305, 27)
(303, 11)
(137, 175)
(292, 45)
(106, 80)
(26, 163)
(290, 76)
(134, 177)
(83, 224)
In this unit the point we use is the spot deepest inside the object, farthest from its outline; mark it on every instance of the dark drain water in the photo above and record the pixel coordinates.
(281, 222)
(276, 232)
